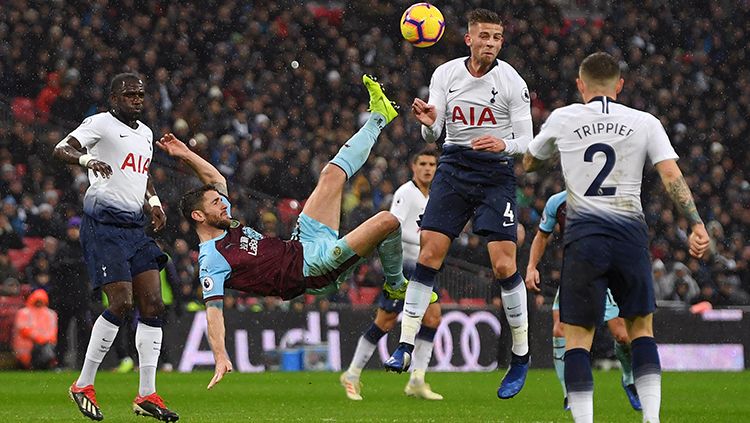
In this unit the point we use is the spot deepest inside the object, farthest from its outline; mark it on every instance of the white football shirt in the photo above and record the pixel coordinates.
(119, 198)
(408, 205)
(603, 148)
(497, 104)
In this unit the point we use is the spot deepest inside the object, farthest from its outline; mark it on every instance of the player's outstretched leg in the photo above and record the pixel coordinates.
(354, 153)
(365, 348)
(153, 406)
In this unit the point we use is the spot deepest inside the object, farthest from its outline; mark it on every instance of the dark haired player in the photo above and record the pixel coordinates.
(315, 260)
(485, 107)
(121, 259)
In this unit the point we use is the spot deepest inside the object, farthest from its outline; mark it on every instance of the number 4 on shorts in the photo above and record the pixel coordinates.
(509, 214)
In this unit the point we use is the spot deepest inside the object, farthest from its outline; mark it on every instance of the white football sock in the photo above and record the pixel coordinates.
(102, 336)
(649, 391)
(422, 355)
(516, 312)
(148, 344)
(582, 406)
(417, 299)
(362, 355)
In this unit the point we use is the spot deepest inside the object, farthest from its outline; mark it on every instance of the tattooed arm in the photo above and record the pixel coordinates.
(679, 192)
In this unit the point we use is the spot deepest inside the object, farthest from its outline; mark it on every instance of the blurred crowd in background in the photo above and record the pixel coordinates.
(219, 76)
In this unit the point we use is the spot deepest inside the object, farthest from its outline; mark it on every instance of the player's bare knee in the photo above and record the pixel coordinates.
(331, 174)
(432, 320)
(388, 221)
(503, 268)
(121, 307)
(152, 307)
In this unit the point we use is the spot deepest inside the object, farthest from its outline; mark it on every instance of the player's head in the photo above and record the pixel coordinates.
(599, 74)
(423, 166)
(204, 206)
(126, 94)
(485, 35)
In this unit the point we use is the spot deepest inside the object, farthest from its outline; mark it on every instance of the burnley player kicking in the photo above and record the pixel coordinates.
(122, 260)
(314, 260)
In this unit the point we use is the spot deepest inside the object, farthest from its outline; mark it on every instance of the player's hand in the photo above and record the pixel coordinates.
(223, 366)
(488, 143)
(172, 145)
(532, 279)
(539, 301)
(158, 218)
(99, 168)
(425, 113)
(698, 240)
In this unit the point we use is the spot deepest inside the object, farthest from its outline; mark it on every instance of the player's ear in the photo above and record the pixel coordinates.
(619, 86)
(580, 85)
(198, 216)
(467, 39)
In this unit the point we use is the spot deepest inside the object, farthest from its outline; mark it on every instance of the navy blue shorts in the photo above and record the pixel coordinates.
(470, 184)
(396, 306)
(592, 264)
(117, 254)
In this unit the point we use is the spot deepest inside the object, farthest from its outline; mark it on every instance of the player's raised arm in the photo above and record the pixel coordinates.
(679, 192)
(205, 171)
(69, 150)
(216, 332)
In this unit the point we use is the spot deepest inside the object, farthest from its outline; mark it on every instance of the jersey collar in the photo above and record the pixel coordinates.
(604, 100)
(466, 65)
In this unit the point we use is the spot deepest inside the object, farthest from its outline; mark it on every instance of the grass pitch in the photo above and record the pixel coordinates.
(318, 397)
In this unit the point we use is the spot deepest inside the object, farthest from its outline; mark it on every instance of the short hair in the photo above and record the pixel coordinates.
(483, 16)
(424, 152)
(119, 79)
(193, 200)
(599, 67)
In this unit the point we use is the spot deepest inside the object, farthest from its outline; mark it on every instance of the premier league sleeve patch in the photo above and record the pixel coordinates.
(207, 283)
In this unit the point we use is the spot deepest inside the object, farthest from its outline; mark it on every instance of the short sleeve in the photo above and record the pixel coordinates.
(549, 216)
(88, 132)
(658, 145)
(214, 271)
(400, 205)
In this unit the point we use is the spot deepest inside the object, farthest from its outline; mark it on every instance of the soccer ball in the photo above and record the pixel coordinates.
(422, 24)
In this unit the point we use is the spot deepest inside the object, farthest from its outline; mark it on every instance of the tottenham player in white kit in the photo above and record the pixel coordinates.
(408, 204)
(603, 147)
(484, 105)
(121, 259)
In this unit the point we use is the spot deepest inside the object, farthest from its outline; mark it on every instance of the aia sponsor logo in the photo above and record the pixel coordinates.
(473, 116)
(139, 165)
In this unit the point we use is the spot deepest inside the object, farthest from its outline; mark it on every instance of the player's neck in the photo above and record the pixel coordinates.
(132, 123)
(477, 68)
(599, 93)
(425, 189)
(206, 232)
